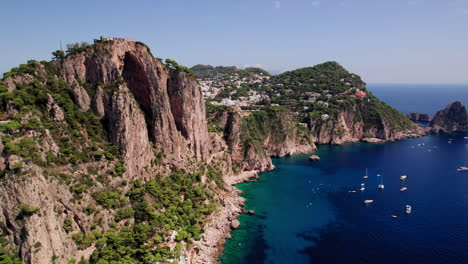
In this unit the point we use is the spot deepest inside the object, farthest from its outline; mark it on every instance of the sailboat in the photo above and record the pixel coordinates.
(365, 176)
(380, 186)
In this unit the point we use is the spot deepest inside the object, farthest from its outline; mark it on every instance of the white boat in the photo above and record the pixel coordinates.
(462, 168)
(352, 191)
(394, 216)
(365, 176)
(465, 137)
(408, 209)
(403, 177)
(368, 201)
(403, 189)
(362, 187)
(380, 186)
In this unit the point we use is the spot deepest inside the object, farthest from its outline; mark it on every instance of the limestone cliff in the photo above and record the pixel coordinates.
(370, 120)
(454, 118)
(107, 154)
(61, 121)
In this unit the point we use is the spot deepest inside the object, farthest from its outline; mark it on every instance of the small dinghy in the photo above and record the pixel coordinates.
(408, 209)
(365, 176)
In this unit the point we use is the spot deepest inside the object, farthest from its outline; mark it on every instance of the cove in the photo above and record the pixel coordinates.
(306, 214)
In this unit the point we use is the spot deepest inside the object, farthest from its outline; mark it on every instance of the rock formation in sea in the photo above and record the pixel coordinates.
(454, 118)
(419, 117)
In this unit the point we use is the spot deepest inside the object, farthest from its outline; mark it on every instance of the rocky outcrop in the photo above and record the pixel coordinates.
(81, 97)
(314, 158)
(164, 106)
(454, 118)
(350, 126)
(419, 117)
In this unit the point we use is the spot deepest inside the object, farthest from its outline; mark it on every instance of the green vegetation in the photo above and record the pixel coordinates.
(178, 202)
(7, 254)
(77, 48)
(27, 210)
(68, 225)
(172, 64)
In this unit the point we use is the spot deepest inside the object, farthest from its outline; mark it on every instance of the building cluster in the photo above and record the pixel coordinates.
(212, 86)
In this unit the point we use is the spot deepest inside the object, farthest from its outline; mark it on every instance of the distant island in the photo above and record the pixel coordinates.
(109, 154)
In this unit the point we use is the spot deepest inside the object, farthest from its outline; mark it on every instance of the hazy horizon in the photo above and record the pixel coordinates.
(401, 41)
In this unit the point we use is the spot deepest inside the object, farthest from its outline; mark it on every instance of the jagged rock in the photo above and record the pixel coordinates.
(419, 117)
(235, 224)
(314, 158)
(53, 109)
(81, 97)
(170, 101)
(454, 118)
(373, 140)
(11, 83)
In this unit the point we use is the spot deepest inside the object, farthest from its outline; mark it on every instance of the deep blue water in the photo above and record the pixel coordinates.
(423, 98)
(306, 214)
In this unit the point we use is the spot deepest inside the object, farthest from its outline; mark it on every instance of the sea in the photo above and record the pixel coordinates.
(310, 212)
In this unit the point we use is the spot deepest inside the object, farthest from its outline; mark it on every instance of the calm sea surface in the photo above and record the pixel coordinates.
(305, 212)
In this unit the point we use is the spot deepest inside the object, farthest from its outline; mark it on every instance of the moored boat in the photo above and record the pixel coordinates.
(408, 209)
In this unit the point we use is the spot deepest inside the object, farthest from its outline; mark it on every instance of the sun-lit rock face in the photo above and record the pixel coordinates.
(454, 118)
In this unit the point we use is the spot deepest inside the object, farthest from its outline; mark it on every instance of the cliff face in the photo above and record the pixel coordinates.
(165, 105)
(153, 114)
(454, 118)
(359, 123)
(109, 139)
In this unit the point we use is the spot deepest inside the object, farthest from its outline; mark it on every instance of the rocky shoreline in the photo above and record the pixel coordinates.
(220, 225)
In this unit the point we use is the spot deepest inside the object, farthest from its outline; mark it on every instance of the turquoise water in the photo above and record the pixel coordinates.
(306, 214)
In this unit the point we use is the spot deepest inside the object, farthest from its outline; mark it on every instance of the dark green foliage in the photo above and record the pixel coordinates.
(172, 64)
(58, 54)
(29, 68)
(7, 255)
(77, 48)
(124, 213)
(27, 210)
(375, 111)
(67, 225)
(108, 198)
(177, 202)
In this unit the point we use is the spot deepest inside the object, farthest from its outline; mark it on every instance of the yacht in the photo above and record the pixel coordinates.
(380, 186)
(368, 201)
(403, 177)
(462, 168)
(365, 176)
(403, 189)
(408, 209)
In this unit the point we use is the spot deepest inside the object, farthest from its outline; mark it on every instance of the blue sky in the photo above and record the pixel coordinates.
(401, 41)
